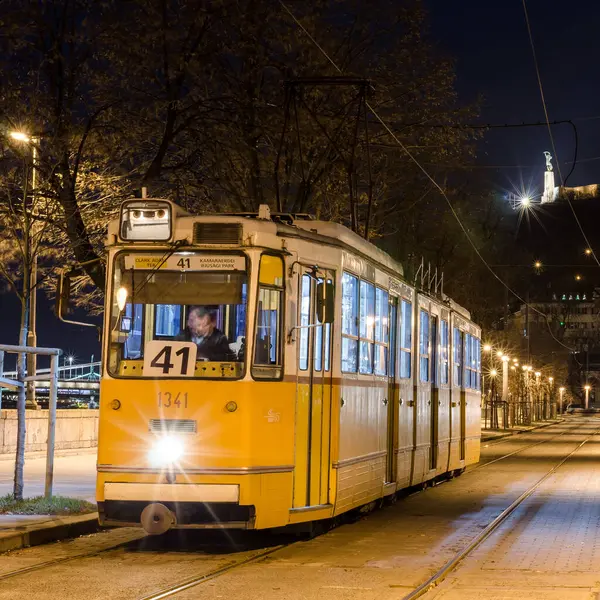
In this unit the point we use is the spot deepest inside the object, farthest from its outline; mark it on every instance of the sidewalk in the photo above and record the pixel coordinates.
(74, 476)
(488, 435)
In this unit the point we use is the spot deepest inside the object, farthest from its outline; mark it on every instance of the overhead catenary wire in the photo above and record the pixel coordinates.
(431, 179)
(543, 98)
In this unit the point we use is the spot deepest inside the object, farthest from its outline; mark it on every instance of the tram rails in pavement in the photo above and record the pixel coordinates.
(136, 540)
(339, 383)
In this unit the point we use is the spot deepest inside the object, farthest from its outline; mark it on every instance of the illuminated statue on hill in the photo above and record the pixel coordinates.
(550, 192)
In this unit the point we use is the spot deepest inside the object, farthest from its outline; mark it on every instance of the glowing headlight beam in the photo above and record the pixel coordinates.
(166, 451)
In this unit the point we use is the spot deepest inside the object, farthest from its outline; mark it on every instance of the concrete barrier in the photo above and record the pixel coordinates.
(75, 428)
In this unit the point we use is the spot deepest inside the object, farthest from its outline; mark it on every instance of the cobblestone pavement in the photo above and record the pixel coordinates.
(546, 549)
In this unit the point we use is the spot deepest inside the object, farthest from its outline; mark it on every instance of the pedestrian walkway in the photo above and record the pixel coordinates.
(74, 475)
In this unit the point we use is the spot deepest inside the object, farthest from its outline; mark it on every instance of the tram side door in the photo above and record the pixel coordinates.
(435, 400)
(314, 396)
(393, 394)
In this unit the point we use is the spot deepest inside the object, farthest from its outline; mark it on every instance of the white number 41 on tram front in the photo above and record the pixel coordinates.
(169, 359)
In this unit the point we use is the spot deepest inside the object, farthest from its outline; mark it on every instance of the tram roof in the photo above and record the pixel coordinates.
(303, 226)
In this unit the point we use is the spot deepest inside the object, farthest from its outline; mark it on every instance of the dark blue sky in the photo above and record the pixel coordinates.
(490, 43)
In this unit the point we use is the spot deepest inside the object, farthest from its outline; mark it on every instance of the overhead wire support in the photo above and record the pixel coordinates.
(433, 181)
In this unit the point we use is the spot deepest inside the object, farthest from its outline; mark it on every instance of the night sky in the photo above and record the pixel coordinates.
(490, 44)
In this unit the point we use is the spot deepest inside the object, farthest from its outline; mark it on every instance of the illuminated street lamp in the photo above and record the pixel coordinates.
(588, 251)
(578, 277)
(493, 372)
(19, 136)
(487, 348)
(499, 354)
(587, 389)
(525, 201)
(537, 264)
(561, 391)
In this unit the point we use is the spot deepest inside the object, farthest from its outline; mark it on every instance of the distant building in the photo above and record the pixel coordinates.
(572, 318)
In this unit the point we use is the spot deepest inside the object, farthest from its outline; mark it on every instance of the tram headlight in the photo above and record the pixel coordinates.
(166, 451)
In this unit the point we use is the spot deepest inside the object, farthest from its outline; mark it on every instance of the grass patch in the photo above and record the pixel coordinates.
(57, 505)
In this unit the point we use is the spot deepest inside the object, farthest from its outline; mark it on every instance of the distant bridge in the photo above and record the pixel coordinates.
(75, 380)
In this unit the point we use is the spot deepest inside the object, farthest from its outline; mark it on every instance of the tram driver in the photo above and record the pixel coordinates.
(202, 329)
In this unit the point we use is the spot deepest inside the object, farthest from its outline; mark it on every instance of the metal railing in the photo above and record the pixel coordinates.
(500, 414)
(18, 384)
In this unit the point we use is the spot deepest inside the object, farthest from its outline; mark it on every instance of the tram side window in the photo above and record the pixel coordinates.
(327, 345)
(349, 323)
(458, 352)
(473, 362)
(322, 348)
(382, 308)
(304, 322)
(478, 362)
(406, 340)
(132, 348)
(444, 352)
(468, 362)
(167, 321)
(424, 346)
(267, 341)
(367, 327)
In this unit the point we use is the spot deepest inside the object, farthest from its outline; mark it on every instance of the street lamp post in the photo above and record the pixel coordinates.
(537, 393)
(32, 255)
(561, 391)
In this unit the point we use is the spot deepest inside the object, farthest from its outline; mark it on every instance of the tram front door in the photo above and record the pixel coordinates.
(314, 394)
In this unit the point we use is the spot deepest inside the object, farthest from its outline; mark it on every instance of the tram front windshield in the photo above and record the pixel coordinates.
(184, 298)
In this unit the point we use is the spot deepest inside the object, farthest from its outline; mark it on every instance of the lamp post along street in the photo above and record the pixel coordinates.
(30, 269)
(561, 391)
(31, 330)
(505, 360)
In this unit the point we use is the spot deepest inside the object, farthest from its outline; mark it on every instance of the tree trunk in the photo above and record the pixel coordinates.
(21, 362)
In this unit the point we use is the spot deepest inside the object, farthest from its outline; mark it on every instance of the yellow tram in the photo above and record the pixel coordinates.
(261, 370)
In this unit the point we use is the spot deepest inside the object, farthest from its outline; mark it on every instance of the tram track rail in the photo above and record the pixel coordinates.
(199, 579)
(495, 460)
(440, 575)
(65, 559)
(433, 581)
(194, 581)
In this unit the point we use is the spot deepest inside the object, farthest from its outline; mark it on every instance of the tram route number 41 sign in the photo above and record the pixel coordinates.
(169, 359)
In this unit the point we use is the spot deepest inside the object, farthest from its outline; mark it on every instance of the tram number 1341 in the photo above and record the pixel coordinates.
(166, 400)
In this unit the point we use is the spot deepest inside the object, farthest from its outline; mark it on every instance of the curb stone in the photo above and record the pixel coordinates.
(43, 533)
